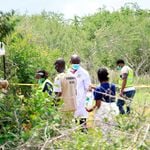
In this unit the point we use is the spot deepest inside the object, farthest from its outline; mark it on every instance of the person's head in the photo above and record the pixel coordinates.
(60, 65)
(4, 86)
(120, 63)
(75, 61)
(102, 74)
(41, 74)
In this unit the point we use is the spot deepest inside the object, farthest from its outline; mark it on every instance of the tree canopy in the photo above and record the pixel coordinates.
(99, 39)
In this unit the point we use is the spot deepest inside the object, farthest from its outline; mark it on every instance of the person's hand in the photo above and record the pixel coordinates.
(121, 94)
(89, 110)
(91, 87)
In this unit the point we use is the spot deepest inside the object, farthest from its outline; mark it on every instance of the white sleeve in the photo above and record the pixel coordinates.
(124, 70)
(87, 81)
(57, 85)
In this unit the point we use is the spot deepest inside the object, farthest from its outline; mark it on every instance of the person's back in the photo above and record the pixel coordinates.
(68, 90)
(65, 86)
(105, 106)
(106, 92)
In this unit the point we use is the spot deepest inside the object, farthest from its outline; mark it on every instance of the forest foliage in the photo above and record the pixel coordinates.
(37, 40)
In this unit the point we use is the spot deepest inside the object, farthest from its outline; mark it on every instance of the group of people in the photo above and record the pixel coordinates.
(73, 84)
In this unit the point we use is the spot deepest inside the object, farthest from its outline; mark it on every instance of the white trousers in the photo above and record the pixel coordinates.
(106, 113)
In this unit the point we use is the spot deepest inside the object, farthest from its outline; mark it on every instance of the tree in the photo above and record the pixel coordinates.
(7, 23)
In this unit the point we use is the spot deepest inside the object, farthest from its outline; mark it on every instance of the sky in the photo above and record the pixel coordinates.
(69, 8)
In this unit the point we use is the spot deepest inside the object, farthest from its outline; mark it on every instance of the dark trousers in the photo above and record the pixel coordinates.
(82, 122)
(120, 103)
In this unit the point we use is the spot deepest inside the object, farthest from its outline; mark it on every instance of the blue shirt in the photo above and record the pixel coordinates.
(107, 88)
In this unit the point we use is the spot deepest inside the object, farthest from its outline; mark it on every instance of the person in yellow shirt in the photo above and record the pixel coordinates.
(44, 83)
(127, 90)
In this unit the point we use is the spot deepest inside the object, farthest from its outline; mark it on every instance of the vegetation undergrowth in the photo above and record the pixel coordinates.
(36, 123)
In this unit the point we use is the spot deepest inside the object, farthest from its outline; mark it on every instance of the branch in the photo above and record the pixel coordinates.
(145, 135)
(17, 119)
(49, 140)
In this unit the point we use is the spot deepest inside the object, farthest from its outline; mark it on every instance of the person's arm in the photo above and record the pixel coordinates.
(96, 106)
(97, 98)
(92, 87)
(87, 82)
(58, 94)
(124, 82)
(57, 87)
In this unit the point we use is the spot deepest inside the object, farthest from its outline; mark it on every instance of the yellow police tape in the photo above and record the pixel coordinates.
(142, 86)
(136, 86)
(23, 84)
(30, 84)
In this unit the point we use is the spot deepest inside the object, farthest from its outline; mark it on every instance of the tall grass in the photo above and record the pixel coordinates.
(145, 79)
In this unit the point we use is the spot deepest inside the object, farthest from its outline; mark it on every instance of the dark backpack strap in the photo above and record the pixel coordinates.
(108, 91)
(48, 87)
